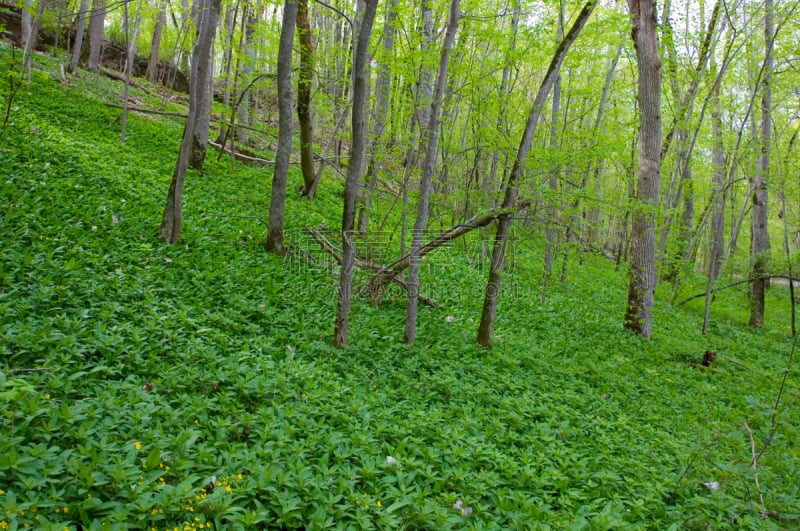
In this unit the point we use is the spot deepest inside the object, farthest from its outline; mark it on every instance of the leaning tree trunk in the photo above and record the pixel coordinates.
(277, 199)
(760, 242)
(360, 91)
(717, 253)
(642, 271)
(201, 63)
(97, 21)
(486, 327)
(426, 181)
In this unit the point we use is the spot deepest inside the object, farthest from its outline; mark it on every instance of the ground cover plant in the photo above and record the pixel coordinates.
(147, 386)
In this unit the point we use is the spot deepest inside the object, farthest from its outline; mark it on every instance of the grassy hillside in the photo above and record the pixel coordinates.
(146, 386)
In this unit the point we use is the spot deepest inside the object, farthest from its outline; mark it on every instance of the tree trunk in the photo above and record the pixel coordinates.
(486, 327)
(202, 125)
(155, 46)
(26, 24)
(383, 87)
(201, 65)
(717, 253)
(360, 90)
(277, 200)
(304, 82)
(426, 181)
(97, 21)
(642, 270)
(80, 30)
(552, 206)
(760, 241)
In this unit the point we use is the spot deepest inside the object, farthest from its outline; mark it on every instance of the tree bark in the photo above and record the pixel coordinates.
(717, 253)
(80, 30)
(304, 82)
(202, 125)
(486, 327)
(426, 181)
(642, 270)
(552, 206)
(277, 200)
(97, 21)
(360, 90)
(155, 45)
(201, 63)
(383, 87)
(760, 242)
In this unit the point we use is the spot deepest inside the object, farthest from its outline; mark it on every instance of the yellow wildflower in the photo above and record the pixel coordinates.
(137, 445)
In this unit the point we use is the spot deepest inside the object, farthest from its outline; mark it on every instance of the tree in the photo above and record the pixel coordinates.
(97, 21)
(201, 63)
(360, 91)
(486, 327)
(426, 182)
(304, 82)
(759, 240)
(80, 30)
(277, 199)
(642, 269)
(155, 44)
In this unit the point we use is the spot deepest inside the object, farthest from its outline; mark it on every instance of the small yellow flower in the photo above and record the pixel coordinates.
(137, 445)
(1, 493)
(3, 525)
(379, 503)
(228, 489)
(66, 510)
(47, 396)
(239, 476)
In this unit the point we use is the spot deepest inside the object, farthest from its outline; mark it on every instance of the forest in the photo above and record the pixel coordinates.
(498, 264)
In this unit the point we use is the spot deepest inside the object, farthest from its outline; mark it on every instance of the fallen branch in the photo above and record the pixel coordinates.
(148, 111)
(118, 77)
(331, 250)
(241, 156)
(738, 282)
(377, 284)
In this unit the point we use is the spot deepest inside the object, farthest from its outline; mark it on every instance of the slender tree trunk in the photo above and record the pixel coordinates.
(245, 71)
(80, 30)
(642, 270)
(277, 200)
(486, 327)
(201, 63)
(760, 241)
(304, 82)
(383, 87)
(717, 253)
(97, 21)
(426, 181)
(360, 91)
(155, 46)
(552, 207)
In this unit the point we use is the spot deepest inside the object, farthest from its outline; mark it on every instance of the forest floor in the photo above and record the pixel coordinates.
(147, 386)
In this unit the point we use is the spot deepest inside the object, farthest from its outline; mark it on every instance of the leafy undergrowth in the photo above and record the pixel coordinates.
(194, 386)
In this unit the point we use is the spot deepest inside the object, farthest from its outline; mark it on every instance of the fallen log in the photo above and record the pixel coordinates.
(329, 248)
(376, 287)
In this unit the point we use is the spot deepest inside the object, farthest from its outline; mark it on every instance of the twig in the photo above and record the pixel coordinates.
(686, 470)
(754, 465)
(773, 423)
(241, 156)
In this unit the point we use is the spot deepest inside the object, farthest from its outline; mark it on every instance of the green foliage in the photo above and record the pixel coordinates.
(195, 385)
